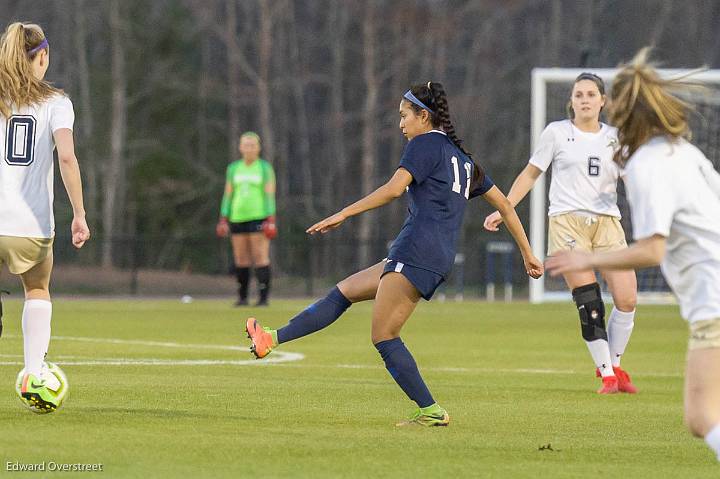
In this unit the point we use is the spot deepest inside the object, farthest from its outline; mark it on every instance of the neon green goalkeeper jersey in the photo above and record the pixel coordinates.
(248, 200)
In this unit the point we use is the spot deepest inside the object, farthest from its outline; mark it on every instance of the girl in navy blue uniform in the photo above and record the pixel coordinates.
(439, 177)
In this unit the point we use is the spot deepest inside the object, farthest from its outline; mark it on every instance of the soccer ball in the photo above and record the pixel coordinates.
(55, 380)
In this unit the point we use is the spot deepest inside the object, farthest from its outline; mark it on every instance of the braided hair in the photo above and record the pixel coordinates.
(433, 95)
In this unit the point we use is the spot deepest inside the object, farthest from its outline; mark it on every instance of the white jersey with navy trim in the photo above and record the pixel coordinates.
(584, 175)
(26, 167)
(672, 191)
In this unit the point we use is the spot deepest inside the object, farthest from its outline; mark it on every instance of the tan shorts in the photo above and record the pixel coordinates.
(704, 334)
(572, 231)
(21, 254)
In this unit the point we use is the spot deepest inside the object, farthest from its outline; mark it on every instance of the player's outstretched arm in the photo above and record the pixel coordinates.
(394, 188)
(70, 172)
(519, 189)
(494, 196)
(641, 254)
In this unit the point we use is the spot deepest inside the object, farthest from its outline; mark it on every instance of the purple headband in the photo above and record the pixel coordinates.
(410, 97)
(43, 44)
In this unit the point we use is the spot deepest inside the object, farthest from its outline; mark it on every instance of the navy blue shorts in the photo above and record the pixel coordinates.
(426, 282)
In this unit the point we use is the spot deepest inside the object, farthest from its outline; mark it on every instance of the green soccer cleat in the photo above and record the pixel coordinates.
(429, 417)
(37, 395)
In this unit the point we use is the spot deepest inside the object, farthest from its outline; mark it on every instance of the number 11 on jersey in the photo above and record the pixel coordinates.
(456, 187)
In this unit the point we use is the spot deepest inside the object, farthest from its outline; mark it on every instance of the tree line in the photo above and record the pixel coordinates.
(163, 89)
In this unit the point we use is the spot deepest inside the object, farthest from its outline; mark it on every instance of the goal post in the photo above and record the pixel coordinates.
(550, 91)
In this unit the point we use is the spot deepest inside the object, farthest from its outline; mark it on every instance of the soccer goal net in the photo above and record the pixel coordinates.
(550, 93)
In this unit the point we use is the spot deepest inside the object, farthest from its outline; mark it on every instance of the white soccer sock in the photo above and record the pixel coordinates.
(619, 329)
(36, 333)
(713, 440)
(601, 355)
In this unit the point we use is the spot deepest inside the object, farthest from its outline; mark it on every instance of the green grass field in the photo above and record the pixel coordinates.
(160, 389)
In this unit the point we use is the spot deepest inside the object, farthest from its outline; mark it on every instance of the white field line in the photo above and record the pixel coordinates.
(500, 370)
(138, 342)
(160, 344)
(278, 358)
(171, 362)
(285, 360)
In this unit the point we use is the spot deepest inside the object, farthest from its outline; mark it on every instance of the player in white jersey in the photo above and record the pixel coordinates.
(35, 118)
(674, 196)
(584, 216)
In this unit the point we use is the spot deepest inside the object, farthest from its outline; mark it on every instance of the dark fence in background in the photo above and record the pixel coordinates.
(303, 266)
(202, 265)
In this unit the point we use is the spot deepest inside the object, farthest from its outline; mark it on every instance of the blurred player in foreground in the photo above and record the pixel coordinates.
(674, 196)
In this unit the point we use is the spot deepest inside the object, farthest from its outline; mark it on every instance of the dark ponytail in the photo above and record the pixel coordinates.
(433, 95)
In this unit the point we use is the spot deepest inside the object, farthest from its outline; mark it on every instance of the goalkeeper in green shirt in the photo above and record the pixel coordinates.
(247, 214)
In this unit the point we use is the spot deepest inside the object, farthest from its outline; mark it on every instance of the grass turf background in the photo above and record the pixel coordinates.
(513, 378)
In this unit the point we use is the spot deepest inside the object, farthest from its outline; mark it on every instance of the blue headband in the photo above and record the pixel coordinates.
(43, 44)
(410, 97)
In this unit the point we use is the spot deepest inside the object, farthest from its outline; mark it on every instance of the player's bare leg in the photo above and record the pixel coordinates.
(361, 286)
(36, 281)
(243, 261)
(586, 294)
(2, 291)
(395, 301)
(37, 315)
(260, 253)
(702, 395)
(623, 287)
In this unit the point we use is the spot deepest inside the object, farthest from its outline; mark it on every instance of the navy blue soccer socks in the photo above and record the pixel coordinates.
(315, 317)
(402, 367)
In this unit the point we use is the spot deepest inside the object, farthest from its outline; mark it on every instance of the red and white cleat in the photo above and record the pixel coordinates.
(610, 385)
(625, 385)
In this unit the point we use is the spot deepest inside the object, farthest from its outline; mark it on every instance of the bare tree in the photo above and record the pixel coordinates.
(335, 183)
(114, 181)
(82, 74)
(369, 127)
(268, 14)
(298, 85)
(233, 77)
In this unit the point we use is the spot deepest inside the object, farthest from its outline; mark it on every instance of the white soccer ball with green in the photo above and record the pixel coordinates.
(55, 381)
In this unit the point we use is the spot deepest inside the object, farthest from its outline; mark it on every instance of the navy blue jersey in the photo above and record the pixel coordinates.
(438, 194)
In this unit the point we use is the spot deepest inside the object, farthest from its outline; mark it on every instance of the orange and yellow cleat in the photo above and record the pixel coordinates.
(262, 341)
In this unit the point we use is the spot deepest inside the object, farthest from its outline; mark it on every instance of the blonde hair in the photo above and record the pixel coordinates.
(250, 134)
(644, 105)
(18, 85)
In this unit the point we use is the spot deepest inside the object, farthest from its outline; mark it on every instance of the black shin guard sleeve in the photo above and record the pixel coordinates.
(591, 310)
